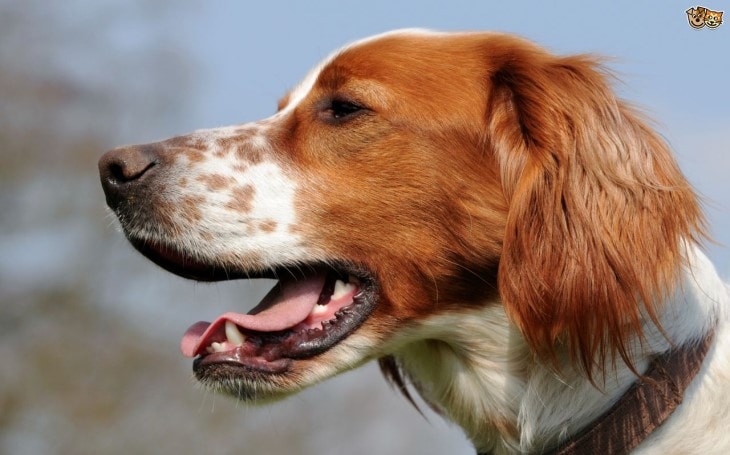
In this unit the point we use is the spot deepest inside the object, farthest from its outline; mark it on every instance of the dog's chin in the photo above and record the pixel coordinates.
(259, 385)
(269, 352)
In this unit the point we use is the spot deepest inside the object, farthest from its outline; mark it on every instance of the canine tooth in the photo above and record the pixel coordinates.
(318, 309)
(235, 337)
(341, 289)
(217, 347)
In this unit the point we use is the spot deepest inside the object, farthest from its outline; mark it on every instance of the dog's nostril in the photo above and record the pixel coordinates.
(124, 172)
(116, 173)
(125, 166)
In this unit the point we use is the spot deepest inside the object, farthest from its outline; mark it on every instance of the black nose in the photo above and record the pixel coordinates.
(125, 171)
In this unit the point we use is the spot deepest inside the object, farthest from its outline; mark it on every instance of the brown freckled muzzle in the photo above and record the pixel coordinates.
(138, 184)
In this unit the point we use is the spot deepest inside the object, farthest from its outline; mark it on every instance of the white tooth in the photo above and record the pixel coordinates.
(209, 350)
(318, 309)
(235, 337)
(217, 347)
(341, 289)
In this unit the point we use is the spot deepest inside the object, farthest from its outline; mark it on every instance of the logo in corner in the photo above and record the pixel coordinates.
(700, 16)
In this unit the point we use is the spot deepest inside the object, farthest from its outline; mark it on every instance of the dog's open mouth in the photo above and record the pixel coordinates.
(311, 308)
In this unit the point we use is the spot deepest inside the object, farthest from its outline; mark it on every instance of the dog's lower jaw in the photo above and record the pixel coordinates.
(260, 387)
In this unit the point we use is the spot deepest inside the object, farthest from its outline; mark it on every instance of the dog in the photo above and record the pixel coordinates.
(696, 16)
(486, 219)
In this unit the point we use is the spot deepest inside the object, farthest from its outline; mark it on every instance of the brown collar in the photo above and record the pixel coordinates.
(644, 407)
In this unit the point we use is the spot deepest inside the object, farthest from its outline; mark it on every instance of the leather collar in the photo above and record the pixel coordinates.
(644, 407)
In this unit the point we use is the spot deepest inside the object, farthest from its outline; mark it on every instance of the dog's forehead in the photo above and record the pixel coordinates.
(369, 48)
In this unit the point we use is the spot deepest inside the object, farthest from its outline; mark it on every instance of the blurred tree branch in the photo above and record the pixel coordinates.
(79, 75)
(75, 78)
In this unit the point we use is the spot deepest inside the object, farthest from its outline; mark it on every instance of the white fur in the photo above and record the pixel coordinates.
(475, 367)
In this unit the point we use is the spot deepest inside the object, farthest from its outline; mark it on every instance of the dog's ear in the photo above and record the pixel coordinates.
(598, 209)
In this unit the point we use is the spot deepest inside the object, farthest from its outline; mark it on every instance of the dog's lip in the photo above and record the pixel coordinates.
(186, 265)
(236, 363)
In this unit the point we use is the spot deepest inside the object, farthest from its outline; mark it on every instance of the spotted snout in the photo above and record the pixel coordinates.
(219, 198)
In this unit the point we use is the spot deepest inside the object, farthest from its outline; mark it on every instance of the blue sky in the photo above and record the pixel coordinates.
(248, 54)
(258, 50)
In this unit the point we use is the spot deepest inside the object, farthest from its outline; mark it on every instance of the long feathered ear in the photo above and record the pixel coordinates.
(598, 209)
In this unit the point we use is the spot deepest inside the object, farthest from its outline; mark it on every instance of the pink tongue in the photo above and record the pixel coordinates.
(285, 306)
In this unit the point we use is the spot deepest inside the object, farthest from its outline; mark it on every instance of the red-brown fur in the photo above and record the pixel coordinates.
(598, 207)
(538, 179)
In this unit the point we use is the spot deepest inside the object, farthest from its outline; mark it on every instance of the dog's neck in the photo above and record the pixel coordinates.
(476, 369)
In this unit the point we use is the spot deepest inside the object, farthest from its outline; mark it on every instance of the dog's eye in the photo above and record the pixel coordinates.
(341, 109)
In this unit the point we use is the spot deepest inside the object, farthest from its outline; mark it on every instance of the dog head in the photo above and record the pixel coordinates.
(408, 176)
(696, 17)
